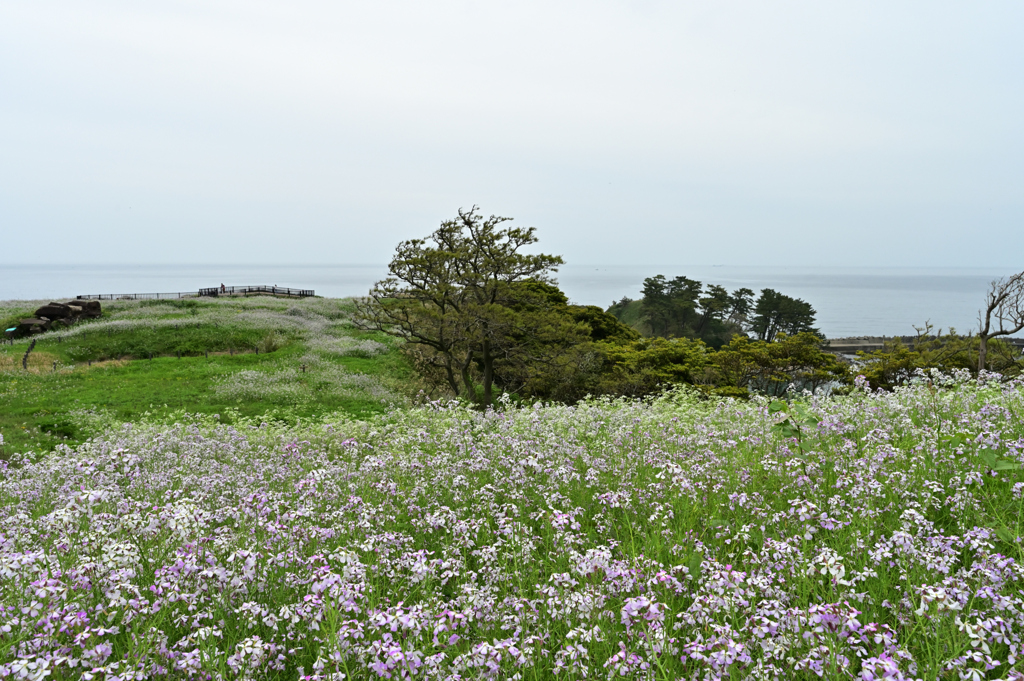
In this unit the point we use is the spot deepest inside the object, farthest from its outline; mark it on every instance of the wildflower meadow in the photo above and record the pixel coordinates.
(867, 536)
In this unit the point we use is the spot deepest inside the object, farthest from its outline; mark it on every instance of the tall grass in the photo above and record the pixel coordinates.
(285, 358)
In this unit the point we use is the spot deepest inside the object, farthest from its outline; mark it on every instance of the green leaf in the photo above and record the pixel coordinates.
(989, 457)
(777, 406)
(957, 440)
(1005, 465)
(787, 429)
(1006, 535)
(694, 565)
(916, 420)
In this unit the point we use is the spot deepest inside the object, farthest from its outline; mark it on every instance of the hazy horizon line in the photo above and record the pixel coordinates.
(80, 265)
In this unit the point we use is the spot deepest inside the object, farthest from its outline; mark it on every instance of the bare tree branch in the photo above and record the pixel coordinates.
(1003, 314)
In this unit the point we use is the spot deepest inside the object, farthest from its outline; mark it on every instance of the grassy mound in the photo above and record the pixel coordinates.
(285, 359)
(867, 536)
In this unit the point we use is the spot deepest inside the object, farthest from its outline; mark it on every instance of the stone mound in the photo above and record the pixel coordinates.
(54, 311)
(32, 326)
(90, 308)
(56, 315)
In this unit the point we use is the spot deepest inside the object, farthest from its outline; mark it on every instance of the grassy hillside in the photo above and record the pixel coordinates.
(629, 313)
(285, 359)
(877, 535)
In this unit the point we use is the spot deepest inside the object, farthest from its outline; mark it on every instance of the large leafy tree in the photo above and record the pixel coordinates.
(714, 306)
(740, 304)
(669, 306)
(683, 308)
(458, 298)
(776, 313)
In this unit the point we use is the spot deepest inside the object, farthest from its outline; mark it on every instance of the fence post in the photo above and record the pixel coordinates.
(24, 360)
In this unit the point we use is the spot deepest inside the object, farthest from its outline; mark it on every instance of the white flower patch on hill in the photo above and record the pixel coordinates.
(289, 385)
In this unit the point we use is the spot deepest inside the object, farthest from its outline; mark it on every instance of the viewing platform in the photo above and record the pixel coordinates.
(213, 292)
(256, 290)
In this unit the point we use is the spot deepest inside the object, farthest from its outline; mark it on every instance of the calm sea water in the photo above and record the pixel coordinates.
(850, 301)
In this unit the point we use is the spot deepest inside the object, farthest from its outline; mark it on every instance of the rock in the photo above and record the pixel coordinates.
(90, 308)
(54, 311)
(31, 326)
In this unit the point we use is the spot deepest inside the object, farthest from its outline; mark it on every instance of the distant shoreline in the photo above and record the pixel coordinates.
(849, 301)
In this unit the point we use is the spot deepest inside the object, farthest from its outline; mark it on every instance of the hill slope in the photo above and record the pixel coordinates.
(252, 356)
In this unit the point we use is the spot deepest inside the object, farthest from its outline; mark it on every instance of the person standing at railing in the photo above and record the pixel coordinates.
(222, 288)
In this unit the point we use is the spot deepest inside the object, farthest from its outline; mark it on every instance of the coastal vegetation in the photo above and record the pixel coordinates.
(874, 535)
(899, 360)
(481, 318)
(465, 476)
(466, 313)
(683, 307)
(1003, 314)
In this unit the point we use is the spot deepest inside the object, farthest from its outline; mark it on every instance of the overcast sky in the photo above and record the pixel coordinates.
(740, 133)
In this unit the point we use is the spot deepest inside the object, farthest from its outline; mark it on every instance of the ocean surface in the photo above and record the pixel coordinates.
(850, 301)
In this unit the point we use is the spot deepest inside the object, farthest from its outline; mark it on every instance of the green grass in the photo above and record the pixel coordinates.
(630, 314)
(187, 339)
(14, 314)
(125, 366)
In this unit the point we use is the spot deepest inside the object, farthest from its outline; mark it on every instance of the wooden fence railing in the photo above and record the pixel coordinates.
(245, 290)
(212, 291)
(137, 296)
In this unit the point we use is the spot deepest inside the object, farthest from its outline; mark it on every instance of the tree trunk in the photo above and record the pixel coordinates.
(982, 351)
(703, 322)
(467, 380)
(450, 375)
